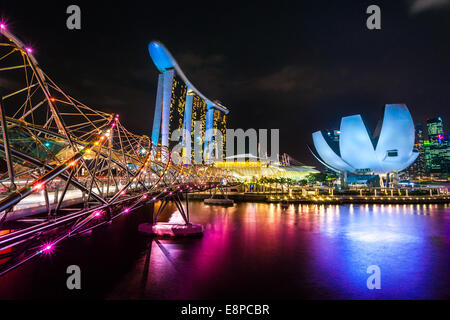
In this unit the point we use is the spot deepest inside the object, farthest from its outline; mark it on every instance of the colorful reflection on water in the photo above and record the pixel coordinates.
(307, 251)
(257, 250)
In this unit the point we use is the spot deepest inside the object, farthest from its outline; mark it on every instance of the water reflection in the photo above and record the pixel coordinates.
(257, 250)
(306, 251)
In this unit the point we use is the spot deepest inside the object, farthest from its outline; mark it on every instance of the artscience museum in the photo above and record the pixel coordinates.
(389, 149)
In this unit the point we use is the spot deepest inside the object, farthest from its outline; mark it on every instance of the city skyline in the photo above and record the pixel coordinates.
(291, 64)
(151, 152)
(432, 143)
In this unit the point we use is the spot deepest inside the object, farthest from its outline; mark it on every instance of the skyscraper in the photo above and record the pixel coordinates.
(436, 149)
(417, 169)
(435, 128)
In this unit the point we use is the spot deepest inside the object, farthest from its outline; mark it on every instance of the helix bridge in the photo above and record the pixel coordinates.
(67, 168)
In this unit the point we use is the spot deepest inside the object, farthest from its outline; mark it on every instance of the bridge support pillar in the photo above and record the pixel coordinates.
(167, 229)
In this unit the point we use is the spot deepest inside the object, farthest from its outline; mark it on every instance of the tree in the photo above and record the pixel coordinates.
(316, 177)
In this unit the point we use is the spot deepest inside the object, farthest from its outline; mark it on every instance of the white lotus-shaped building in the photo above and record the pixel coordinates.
(390, 150)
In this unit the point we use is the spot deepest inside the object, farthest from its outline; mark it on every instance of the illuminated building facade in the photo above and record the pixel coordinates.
(436, 150)
(436, 158)
(435, 128)
(179, 104)
(198, 115)
(418, 168)
(220, 123)
(250, 167)
(356, 152)
(177, 107)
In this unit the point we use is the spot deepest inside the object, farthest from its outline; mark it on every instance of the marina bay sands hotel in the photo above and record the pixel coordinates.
(179, 105)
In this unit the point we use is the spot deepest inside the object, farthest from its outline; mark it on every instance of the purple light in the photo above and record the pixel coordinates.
(47, 248)
(29, 50)
(97, 214)
(2, 26)
(126, 210)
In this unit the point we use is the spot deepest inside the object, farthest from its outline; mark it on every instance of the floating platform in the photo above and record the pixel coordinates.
(222, 202)
(164, 229)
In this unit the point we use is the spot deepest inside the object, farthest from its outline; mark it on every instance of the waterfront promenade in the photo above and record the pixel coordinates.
(329, 196)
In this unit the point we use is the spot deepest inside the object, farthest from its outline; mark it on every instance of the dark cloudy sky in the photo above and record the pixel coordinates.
(297, 65)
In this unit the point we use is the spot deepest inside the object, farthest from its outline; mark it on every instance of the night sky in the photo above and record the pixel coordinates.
(298, 66)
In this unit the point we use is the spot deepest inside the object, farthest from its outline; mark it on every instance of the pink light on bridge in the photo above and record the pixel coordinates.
(47, 248)
(2, 26)
(29, 50)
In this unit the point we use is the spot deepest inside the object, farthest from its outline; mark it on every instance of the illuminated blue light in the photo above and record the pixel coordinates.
(164, 61)
(356, 147)
(160, 56)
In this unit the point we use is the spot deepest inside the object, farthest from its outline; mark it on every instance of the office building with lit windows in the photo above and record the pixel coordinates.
(435, 128)
(418, 168)
(436, 150)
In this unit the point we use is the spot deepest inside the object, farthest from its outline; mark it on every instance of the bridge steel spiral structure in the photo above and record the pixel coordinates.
(67, 168)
